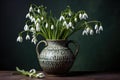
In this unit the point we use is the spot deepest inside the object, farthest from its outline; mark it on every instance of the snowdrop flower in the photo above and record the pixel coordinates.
(84, 32)
(40, 75)
(37, 21)
(37, 27)
(64, 23)
(27, 37)
(88, 30)
(32, 18)
(70, 24)
(34, 40)
(97, 31)
(30, 9)
(80, 16)
(91, 32)
(75, 19)
(61, 18)
(52, 27)
(46, 25)
(26, 27)
(32, 30)
(19, 39)
(42, 18)
(96, 27)
(32, 71)
(85, 16)
(38, 10)
(100, 28)
(69, 13)
(28, 15)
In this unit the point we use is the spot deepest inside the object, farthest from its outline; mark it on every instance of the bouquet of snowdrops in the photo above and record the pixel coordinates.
(41, 23)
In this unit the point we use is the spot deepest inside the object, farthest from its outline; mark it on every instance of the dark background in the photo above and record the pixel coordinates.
(97, 52)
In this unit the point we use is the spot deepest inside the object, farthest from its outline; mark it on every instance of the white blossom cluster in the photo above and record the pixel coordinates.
(36, 22)
(49, 27)
(31, 73)
(90, 31)
(70, 24)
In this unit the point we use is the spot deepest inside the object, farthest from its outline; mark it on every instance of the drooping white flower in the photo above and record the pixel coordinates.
(75, 19)
(37, 27)
(38, 20)
(100, 28)
(30, 9)
(70, 24)
(80, 16)
(40, 75)
(69, 13)
(19, 39)
(38, 10)
(62, 18)
(97, 31)
(26, 27)
(46, 25)
(27, 37)
(52, 27)
(87, 29)
(32, 71)
(32, 19)
(84, 32)
(91, 32)
(42, 18)
(96, 27)
(28, 15)
(32, 30)
(85, 16)
(34, 40)
(64, 23)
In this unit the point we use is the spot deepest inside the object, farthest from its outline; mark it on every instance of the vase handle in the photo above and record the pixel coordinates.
(76, 45)
(37, 47)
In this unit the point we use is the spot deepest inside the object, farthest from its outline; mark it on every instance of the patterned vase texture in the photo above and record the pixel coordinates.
(56, 58)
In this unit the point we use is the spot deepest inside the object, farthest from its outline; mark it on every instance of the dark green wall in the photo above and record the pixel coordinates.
(97, 52)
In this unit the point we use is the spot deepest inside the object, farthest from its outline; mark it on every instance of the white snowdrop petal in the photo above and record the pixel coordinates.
(34, 40)
(28, 15)
(75, 19)
(32, 30)
(64, 23)
(26, 27)
(38, 10)
(91, 32)
(19, 39)
(37, 27)
(97, 31)
(52, 27)
(32, 71)
(85, 16)
(101, 28)
(27, 37)
(96, 27)
(70, 24)
(40, 75)
(42, 18)
(46, 25)
(30, 9)
(80, 15)
(88, 30)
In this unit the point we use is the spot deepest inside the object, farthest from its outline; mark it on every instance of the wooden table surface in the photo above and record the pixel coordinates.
(13, 75)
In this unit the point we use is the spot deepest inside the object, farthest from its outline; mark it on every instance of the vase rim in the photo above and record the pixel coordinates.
(56, 39)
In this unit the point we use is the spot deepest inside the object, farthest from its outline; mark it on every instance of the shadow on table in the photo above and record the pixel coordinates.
(85, 73)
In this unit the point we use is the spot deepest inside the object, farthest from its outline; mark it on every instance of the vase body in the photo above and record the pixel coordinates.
(56, 58)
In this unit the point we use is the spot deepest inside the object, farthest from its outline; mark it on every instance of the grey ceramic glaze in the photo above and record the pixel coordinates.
(56, 58)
